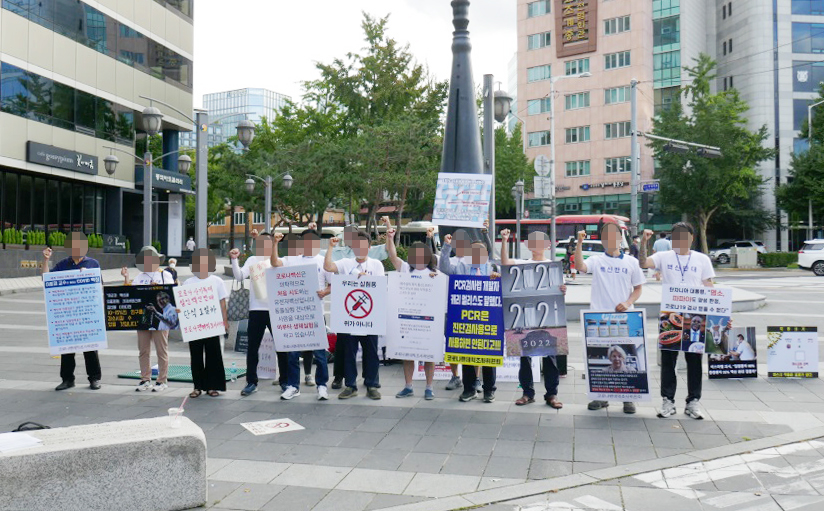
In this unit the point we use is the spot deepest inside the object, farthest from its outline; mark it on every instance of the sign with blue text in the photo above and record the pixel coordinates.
(474, 322)
(74, 311)
(651, 187)
(462, 200)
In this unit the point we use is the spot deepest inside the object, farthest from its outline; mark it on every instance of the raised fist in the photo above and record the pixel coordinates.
(385, 221)
(333, 242)
(505, 234)
(278, 237)
(124, 272)
(582, 235)
(447, 239)
(47, 253)
(430, 232)
(647, 234)
(234, 253)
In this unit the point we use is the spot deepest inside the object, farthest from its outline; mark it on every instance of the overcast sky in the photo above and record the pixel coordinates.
(274, 44)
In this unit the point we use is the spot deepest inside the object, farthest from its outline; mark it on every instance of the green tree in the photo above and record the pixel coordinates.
(511, 164)
(705, 187)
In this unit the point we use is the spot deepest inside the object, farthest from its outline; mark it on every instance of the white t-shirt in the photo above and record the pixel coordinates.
(353, 267)
(696, 267)
(407, 268)
(217, 282)
(190, 245)
(324, 277)
(255, 304)
(153, 278)
(613, 279)
(745, 351)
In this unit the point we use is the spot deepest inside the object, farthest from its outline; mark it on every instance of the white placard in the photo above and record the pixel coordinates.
(693, 319)
(267, 368)
(295, 309)
(792, 352)
(74, 311)
(257, 275)
(415, 329)
(615, 354)
(507, 373)
(462, 200)
(359, 304)
(200, 314)
(273, 426)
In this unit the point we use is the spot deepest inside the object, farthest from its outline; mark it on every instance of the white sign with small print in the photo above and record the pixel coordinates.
(273, 426)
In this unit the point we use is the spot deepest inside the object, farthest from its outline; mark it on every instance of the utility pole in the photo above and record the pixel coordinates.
(634, 158)
(489, 151)
(201, 175)
(148, 184)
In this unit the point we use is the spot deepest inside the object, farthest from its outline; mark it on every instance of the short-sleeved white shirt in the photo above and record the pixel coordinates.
(351, 266)
(745, 350)
(613, 279)
(324, 277)
(153, 278)
(696, 267)
(217, 282)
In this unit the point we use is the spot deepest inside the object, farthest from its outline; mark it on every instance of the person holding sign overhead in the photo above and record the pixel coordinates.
(359, 265)
(78, 246)
(537, 243)
(616, 282)
(691, 269)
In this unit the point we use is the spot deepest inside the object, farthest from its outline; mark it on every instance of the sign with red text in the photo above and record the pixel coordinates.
(694, 319)
(295, 309)
(359, 304)
(200, 314)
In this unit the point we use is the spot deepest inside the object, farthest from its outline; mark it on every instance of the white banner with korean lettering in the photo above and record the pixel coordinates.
(200, 314)
(295, 309)
(462, 200)
(359, 304)
(416, 317)
(694, 319)
(74, 311)
(257, 275)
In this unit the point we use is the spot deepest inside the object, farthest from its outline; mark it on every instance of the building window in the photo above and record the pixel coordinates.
(575, 101)
(808, 37)
(538, 8)
(665, 8)
(577, 168)
(725, 83)
(809, 7)
(729, 9)
(731, 85)
(666, 68)
(724, 12)
(579, 134)
(617, 130)
(724, 45)
(618, 165)
(571, 207)
(616, 95)
(538, 41)
(538, 73)
(616, 60)
(240, 218)
(576, 67)
(666, 34)
(538, 138)
(664, 98)
(729, 45)
(537, 106)
(220, 221)
(616, 25)
(258, 218)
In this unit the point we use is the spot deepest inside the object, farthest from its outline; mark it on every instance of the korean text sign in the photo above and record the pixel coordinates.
(140, 308)
(74, 311)
(694, 319)
(792, 352)
(257, 276)
(462, 200)
(416, 317)
(295, 309)
(358, 304)
(474, 322)
(200, 314)
(739, 358)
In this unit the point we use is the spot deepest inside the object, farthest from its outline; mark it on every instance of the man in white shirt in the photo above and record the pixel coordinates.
(692, 269)
(361, 264)
(742, 351)
(190, 245)
(616, 282)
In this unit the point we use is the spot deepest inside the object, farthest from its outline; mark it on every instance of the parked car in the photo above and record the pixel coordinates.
(590, 248)
(811, 256)
(721, 255)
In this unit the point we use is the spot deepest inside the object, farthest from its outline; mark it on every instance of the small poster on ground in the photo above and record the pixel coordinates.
(534, 310)
(295, 309)
(474, 322)
(792, 352)
(358, 304)
(740, 356)
(273, 426)
(74, 311)
(140, 308)
(462, 200)
(200, 314)
(616, 356)
(416, 319)
(694, 319)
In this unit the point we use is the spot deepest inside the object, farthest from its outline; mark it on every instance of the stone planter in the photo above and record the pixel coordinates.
(15, 246)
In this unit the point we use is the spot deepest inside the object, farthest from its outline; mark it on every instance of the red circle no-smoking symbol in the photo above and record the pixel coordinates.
(358, 304)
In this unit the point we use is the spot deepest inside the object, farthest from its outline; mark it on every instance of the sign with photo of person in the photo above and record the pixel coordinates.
(694, 319)
(200, 314)
(415, 323)
(474, 321)
(534, 310)
(792, 352)
(739, 357)
(616, 355)
(140, 308)
(74, 311)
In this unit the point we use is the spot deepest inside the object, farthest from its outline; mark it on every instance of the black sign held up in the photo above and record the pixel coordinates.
(61, 158)
(140, 308)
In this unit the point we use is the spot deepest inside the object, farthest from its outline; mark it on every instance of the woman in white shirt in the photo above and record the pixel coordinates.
(148, 262)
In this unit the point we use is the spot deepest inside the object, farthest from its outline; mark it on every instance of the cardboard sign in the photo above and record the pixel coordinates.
(359, 304)
(267, 368)
(739, 358)
(416, 319)
(616, 356)
(257, 275)
(271, 427)
(474, 322)
(462, 200)
(792, 352)
(295, 309)
(200, 314)
(74, 311)
(694, 319)
(140, 308)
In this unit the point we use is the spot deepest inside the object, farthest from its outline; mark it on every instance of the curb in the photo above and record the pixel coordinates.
(534, 488)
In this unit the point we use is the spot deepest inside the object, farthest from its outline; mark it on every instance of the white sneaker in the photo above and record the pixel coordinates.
(309, 381)
(289, 393)
(144, 386)
(323, 394)
(693, 411)
(667, 409)
(159, 387)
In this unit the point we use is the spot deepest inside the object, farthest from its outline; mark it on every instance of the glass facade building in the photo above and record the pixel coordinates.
(231, 107)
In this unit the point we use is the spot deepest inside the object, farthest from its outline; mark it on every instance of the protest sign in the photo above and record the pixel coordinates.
(739, 356)
(474, 322)
(358, 304)
(416, 319)
(140, 308)
(506, 373)
(616, 355)
(200, 314)
(694, 319)
(295, 309)
(534, 310)
(462, 200)
(267, 368)
(257, 275)
(792, 352)
(74, 311)
(272, 426)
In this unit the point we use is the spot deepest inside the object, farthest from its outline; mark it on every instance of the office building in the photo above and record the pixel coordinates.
(71, 80)
(230, 107)
(214, 137)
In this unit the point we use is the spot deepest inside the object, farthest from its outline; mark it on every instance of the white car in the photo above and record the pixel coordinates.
(811, 256)
(721, 255)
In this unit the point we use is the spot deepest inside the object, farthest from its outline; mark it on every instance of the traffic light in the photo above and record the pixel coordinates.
(646, 207)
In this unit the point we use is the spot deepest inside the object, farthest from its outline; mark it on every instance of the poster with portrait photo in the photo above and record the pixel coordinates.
(140, 308)
(738, 357)
(616, 356)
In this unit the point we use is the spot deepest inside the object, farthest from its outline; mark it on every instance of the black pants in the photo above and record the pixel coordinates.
(208, 375)
(258, 323)
(695, 372)
(67, 365)
(487, 373)
(308, 357)
(551, 376)
(562, 364)
(340, 353)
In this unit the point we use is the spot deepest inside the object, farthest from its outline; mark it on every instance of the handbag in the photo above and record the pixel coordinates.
(238, 307)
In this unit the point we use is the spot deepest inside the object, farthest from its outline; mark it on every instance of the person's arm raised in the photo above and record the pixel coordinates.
(397, 262)
(274, 260)
(580, 265)
(47, 253)
(328, 263)
(642, 251)
(505, 247)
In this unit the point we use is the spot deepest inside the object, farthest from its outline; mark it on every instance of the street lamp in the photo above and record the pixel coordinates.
(250, 187)
(518, 195)
(246, 132)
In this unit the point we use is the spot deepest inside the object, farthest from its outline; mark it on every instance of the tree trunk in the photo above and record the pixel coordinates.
(703, 221)
(320, 221)
(247, 231)
(231, 228)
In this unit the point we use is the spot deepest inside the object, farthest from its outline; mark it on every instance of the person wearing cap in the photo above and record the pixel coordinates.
(78, 246)
(148, 262)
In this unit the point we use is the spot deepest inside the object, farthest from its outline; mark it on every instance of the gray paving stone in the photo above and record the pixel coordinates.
(342, 457)
(473, 430)
(649, 499)
(630, 454)
(426, 462)
(545, 469)
(412, 427)
(398, 442)
(522, 419)
(455, 416)
(328, 438)
(374, 425)
(517, 468)
(488, 417)
(475, 446)
(664, 425)
(383, 460)
(218, 490)
(553, 434)
(345, 423)
(445, 429)
(592, 421)
(235, 449)
(626, 424)
(356, 410)
(631, 438)
(553, 451)
(376, 481)
(391, 412)
(704, 441)
(423, 414)
(250, 497)
(593, 436)
(670, 440)
(341, 500)
(436, 444)
(518, 432)
(513, 449)
(593, 453)
(388, 501)
(586, 466)
(469, 465)
(362, 439)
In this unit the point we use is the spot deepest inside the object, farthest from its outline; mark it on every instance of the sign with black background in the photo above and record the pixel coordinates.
(165, 180)
(61, 158)
(130, 307)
